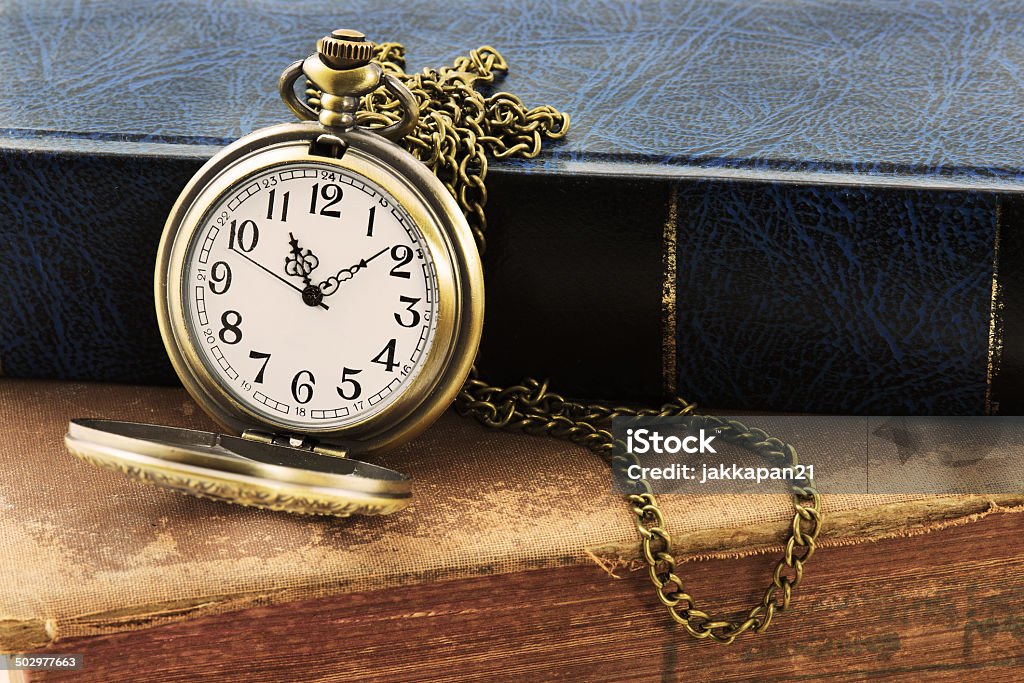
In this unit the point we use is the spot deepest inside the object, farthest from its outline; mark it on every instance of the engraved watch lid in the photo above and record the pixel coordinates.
(237, 470)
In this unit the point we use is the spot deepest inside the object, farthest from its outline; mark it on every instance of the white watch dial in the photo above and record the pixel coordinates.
(310, 295)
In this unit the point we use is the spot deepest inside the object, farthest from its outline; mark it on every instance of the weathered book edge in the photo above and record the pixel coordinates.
(847, 528)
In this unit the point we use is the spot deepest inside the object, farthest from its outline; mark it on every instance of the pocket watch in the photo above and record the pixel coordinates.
(320, 296)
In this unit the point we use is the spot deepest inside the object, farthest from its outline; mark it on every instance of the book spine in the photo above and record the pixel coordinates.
(794, 296)
(803, 296)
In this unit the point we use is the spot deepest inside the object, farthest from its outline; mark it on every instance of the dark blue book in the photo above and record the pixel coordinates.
(792, 205)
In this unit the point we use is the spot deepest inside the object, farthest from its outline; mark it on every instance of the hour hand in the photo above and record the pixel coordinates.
(300, 263)
(331, 284)
(310, 299)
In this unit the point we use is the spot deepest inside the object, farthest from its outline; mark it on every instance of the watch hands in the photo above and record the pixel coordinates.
(299, 264)
(268, 270)
(331, 284)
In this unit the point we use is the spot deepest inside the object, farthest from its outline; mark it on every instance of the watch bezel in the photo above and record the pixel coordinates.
(446, 234)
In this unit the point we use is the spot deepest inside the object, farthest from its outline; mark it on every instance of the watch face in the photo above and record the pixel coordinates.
(310, 295)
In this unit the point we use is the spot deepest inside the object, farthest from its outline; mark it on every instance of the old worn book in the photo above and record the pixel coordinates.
(795, 205)
(515, 561)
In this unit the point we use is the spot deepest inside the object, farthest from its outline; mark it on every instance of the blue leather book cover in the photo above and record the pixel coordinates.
(792, 205)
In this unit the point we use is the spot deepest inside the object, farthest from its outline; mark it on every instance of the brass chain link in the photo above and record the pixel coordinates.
(458, 130)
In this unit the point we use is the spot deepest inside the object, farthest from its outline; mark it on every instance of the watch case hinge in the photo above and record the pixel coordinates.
(327, 145)
(305, 443)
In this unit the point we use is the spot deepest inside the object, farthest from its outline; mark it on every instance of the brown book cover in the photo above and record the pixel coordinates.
(86, 553)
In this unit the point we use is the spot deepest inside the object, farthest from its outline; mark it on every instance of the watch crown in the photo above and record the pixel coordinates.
(345, 49)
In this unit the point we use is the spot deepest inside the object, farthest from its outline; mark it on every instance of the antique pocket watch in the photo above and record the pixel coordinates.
(320, 295)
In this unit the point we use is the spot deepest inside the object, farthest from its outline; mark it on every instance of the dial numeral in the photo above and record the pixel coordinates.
(386, 357)
(403, 255)
(415, 314)
(369, 223)
(220, 274)
(303, 391)
(241, 234)
(284, 205)
(265, 357)
(357, 389)
(331, 194)
(231, 333)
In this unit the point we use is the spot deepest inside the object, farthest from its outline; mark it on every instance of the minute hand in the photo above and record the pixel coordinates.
(333, 283)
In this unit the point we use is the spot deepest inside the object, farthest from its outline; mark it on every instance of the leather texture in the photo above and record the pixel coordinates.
(79, 238)
(927, 87)
(835, 168)
(834, 299)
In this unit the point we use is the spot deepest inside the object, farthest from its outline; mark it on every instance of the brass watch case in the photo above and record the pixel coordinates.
(239, 471)
(446, 234)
